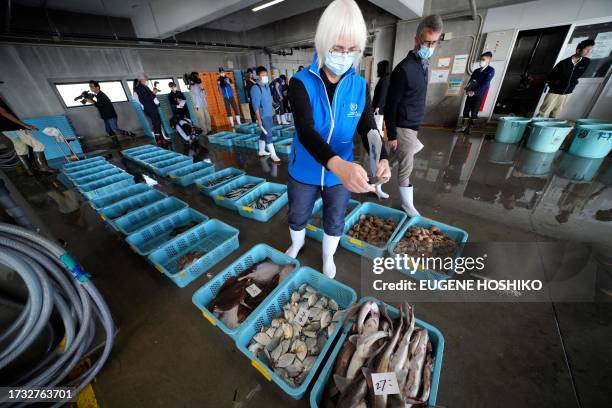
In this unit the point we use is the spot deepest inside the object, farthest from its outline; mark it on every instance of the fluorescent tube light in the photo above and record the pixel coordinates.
(266, 5)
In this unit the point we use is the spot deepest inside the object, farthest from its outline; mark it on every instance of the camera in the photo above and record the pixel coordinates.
(85, 95)
(193, 77)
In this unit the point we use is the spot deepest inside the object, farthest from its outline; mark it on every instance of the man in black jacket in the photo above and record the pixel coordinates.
(107, 112)
(563, 79)
(405, 104)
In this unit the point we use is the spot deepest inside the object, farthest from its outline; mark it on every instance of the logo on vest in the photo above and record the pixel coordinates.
(353, 112)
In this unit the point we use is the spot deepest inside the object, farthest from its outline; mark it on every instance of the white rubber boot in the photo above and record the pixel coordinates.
(278, 119)
(273, 155)
(297, 242)
(284, 119)
(406, 193)
(231, 119)
(381, 194)
(262, 148)
(238, 120)
(330, 244)
(290, 117)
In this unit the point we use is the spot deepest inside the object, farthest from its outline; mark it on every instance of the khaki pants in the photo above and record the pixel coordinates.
(408, 145)
(22, 139)
(553, 105)
(204, 119)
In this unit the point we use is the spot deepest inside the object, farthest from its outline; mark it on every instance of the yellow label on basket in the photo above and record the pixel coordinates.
(311, 227)
(199, 186)
(209, 318)
(172, 176)
(356, 242)
(261, 369)
(247, 208)
(220, 198)
(182, 274)
(103, 217)
(158, 267)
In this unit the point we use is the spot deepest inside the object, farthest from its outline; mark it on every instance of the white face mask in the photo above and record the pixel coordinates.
(265, 79)
(483, 64)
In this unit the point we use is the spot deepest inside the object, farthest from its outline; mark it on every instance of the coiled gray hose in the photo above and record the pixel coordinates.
(55, 282)
(8, 160)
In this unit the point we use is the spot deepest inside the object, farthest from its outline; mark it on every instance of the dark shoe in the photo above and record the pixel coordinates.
(130, 134)
(25, 163)
(468, 127)
(115, 141)
(462, 126)
(41, 162)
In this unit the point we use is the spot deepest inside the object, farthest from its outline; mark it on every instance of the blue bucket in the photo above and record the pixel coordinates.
(437, 342)
(547, 137)
(456, 234)
(186, 175)
(272, 307)
(218, 194)
(592, 141)
(578, 168)
(502, 153)
(315, 232)
(148, 239)
(510, 129)
(116, 196)
(262, 215)
(533, 163)
(535, 120)
(361, 247)
(203, 296)
(214, 237)
(140, 218)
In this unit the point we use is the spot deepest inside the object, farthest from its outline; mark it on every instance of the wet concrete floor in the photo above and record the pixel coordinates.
(497, 354)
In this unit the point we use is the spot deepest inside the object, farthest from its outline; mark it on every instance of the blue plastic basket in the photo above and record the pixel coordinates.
(145, 153)
(214, 237)
(134, 151)
(162, 168)
(88, 172)
(130, 204)
(116, 196)
(243, 141)
(148, 239)
(227, 140)
(284, 146)
(215, 136)
(288, 132)
(579, 169)
(152, 157)
(254, 143)
(458, 235)
(151, 162)
(247, 128)
(272, 307)
(106, 185)
(87, 166)
(186, 175)
(592, 141)
(277, 129)
(83, 181)
(203, 296)
(317, 232)
(237, 141)
(200, 182)
(262, 215)
(546, 137)
(437, 342)
(219, 193)
(362, 247)
(510, 129)
(81, 164)
(137, 219)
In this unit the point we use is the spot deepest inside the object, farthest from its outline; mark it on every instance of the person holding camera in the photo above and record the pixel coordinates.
(178, 102)
(21, 136)
(477, 87)
(107, 112)
(199, 101)
(225, 86)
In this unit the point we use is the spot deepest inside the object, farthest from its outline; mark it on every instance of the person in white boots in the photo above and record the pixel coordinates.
(321, 160)
(279, 86)
(225, 86)
(261, 101)
(405, 104)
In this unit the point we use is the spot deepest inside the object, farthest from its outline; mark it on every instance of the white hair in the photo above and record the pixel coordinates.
(342, 19)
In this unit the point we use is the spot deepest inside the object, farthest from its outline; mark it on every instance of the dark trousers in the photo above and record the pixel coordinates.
(112, 128)
(301, 202)
(472, 104)
(230, 103)
(153, 115)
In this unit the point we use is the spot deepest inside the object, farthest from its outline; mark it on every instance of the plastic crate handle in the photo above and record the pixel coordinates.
(261, 369)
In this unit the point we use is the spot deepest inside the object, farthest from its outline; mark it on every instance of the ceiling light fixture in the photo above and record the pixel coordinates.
(266, 5)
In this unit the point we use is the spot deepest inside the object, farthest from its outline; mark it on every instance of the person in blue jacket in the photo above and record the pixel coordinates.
(331, 102)
(478, 86)
(225, 86)
(261, 101)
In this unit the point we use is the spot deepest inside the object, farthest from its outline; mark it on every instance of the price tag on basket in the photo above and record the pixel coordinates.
(253, 290)
(385, 383)
(301, 317)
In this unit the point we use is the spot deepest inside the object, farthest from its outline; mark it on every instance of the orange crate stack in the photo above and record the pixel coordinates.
(216, 106)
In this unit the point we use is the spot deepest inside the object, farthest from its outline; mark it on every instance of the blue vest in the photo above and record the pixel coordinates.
(335, 122)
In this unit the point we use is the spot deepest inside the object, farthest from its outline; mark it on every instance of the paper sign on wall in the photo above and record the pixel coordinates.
(459, 64)
(454, 86)
(438, 76)
(444, 62)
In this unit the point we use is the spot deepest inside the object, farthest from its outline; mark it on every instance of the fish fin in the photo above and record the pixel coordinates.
(341, 383)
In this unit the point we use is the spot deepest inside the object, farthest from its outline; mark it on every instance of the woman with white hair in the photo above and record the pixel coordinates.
(330, 101)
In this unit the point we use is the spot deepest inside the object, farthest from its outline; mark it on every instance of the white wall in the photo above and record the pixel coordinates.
(540, 14)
